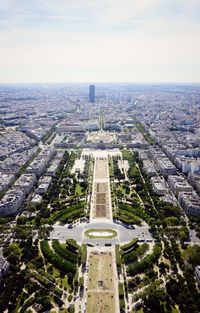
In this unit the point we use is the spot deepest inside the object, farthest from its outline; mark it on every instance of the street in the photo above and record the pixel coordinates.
(77, 233)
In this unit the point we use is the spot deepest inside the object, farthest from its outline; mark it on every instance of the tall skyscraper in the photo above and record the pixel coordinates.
(92, 93)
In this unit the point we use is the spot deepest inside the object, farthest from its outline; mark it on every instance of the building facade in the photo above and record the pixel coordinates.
(92, 93)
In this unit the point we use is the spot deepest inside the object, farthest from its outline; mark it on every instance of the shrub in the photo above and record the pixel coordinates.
(64, 252)
(55, 259)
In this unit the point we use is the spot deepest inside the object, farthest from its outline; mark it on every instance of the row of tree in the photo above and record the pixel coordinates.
(64, 252)
(126, 215)
(56, 260)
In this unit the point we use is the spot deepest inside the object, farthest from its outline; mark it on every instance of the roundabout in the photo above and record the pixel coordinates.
(80, 233)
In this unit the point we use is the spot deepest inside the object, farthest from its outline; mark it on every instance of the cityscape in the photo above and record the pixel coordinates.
(100, 198)
(99, 156)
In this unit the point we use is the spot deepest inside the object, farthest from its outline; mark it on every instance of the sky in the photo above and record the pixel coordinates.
(99, 41)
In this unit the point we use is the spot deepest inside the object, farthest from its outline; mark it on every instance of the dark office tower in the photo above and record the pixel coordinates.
(92, 93)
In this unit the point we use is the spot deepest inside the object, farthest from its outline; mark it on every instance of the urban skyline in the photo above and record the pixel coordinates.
(100, 202)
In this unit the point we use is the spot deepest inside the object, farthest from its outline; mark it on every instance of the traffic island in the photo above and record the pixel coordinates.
(100, 233)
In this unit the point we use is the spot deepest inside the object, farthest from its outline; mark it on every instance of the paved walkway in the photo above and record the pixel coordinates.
(101, 205)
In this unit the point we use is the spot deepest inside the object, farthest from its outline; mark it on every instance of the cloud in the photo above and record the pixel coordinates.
(94, 15)
(120, 10)
(124, 40)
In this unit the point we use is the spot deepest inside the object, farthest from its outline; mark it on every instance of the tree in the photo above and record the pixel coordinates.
(21, 220)
(13, 253)
(70, 279)
(192, 254)
(173, 288)
(154, 297)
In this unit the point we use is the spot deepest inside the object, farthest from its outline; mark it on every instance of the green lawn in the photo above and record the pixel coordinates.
(78, 190)
(121, 189)
(140, 311)
(55, 273)
(174, 310)
(64, 283)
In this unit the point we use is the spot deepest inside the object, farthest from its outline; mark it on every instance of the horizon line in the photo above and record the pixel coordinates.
(102, 82)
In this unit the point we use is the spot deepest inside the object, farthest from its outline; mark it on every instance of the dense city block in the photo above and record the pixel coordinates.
(100, 198)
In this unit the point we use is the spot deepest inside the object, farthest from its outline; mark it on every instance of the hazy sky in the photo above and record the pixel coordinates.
(99, 40)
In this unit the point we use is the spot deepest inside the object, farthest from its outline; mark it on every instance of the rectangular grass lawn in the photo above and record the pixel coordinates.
(101, 169)
(101, 291)
(100, 302)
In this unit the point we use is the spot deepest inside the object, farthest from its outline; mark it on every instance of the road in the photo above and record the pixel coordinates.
(193, 237)
(192, 233)
(124, 235)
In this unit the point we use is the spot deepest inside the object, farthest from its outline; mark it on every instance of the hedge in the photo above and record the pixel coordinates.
(72, 245)
(139, 267)
(84, 254)
(129, 246)
(55, 259)
(132, 256)
(64, 252)
(118, 259)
